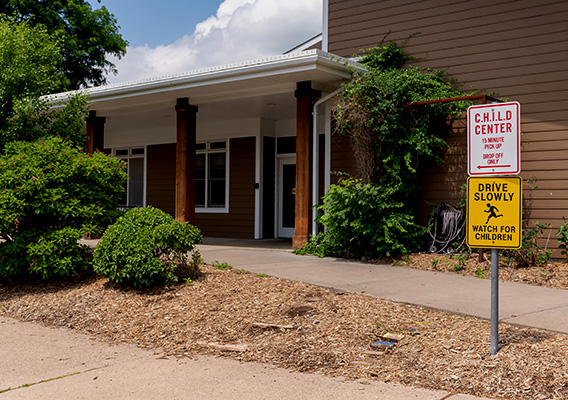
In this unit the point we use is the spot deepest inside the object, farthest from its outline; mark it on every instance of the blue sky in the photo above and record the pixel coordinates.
(158, 22)
(173, 36)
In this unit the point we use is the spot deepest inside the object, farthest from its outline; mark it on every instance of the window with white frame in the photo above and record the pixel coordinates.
(211, 191)
(134, 159)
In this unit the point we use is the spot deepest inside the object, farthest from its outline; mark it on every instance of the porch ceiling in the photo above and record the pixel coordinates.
(270, 106)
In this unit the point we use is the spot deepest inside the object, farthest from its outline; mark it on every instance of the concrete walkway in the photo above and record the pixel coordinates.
(46, 363)
(519, 304)
(55, 363)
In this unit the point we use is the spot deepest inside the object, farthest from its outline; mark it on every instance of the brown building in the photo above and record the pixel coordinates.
(225, 147)
(515, 49)
(228, 148)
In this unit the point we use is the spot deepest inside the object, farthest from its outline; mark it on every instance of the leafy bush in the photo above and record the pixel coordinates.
(50, 195)
(392, 139)
(461, 259)
(562, 236)
(147, 247)
(530, 253)
(320, 245)
(363, 220)
(223, 266)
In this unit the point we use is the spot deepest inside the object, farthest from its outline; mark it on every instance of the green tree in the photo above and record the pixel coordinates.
(29, 68)
(87, 36)
(50, 195)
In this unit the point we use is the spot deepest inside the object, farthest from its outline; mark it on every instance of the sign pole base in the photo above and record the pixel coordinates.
(494, 301)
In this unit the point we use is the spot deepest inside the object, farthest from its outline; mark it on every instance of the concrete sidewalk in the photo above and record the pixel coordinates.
(48, 363)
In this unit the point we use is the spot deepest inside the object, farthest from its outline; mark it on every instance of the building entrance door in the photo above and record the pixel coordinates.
(286, 196)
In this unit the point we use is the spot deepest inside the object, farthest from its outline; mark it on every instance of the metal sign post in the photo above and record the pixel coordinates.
(494, 301)
(494, 214)
(494, 203)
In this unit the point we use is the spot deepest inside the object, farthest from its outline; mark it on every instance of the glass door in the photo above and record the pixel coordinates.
(286, 196)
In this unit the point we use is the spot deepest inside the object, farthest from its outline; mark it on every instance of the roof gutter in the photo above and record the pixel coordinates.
(266, 67)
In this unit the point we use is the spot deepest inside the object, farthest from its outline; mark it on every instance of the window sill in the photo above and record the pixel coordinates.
(211, 210)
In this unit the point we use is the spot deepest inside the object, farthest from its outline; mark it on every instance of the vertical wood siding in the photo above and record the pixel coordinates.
(161, 177)
(517, 49)
(239, 222)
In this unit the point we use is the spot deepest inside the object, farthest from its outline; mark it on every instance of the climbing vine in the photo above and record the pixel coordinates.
(392, 136)
(393, 140)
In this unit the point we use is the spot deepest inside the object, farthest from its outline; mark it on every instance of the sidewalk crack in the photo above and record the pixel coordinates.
(25, 385)
(534, 312)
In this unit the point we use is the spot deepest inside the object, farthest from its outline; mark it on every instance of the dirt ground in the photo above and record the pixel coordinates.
(302, 327)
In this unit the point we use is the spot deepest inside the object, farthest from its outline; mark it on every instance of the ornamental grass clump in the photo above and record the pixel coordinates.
(147, 247)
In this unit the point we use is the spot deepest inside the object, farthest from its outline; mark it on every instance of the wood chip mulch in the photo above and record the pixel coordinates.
(553, 274)
(304, 328)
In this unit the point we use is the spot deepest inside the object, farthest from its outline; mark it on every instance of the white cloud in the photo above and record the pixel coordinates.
(241, 30)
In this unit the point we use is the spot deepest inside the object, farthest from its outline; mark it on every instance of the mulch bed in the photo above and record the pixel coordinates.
(305, 328)
(554, 274)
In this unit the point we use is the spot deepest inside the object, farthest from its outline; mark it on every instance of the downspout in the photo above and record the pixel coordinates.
(325, 26)
(315, 156)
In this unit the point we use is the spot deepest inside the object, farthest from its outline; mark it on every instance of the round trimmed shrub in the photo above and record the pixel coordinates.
(147, 247)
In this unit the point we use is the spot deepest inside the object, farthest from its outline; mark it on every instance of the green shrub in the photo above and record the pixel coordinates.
(362, 220)
(461, 259)
(562, 236)
(320, 245)
(530, 253)
(50, 195)
(392, 138)
(222, 265)
(147, 247)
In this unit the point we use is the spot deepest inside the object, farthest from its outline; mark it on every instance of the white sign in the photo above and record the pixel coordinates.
(494, 139)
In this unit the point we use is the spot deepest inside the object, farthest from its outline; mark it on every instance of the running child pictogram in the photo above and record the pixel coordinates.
(491, 210)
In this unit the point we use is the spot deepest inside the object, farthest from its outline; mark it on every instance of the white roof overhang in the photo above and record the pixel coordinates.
(263, 77)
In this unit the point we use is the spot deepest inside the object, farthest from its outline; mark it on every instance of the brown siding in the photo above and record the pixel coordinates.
(161, 177)
(518, 49)
(446, 182)
(341, 158)
(321, 166)
(239, 222)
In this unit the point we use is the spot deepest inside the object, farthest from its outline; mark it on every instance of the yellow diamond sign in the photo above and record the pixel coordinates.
(494, 212)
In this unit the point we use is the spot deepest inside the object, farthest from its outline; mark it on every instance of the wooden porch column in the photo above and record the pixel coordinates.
(305, 96)
(186, 133)
(95, 133)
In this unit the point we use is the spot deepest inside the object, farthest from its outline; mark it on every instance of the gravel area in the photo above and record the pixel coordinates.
(307, 328)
